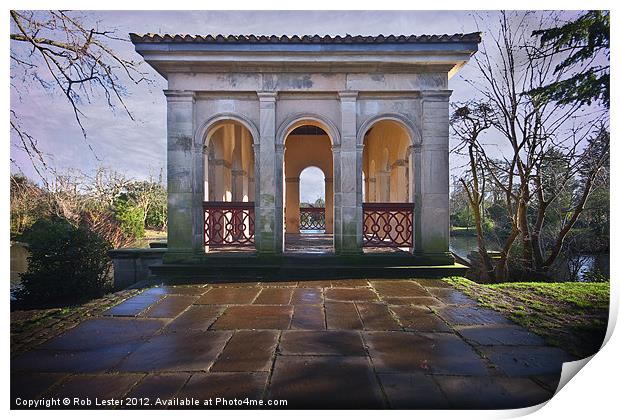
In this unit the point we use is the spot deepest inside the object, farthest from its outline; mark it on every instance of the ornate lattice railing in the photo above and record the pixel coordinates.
(312, 218)
(388, 224)
(228, 223)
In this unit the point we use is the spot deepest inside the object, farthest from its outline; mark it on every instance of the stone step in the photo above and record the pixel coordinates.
(298, 269)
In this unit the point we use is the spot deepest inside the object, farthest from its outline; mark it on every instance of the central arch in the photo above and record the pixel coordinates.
(308, 142)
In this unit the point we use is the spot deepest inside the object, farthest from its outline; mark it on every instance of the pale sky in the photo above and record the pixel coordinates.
(138, 148)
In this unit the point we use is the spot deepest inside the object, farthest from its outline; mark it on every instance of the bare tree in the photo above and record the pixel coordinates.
(106, 185)
(530, 136)
(468, 123)
(61, 52)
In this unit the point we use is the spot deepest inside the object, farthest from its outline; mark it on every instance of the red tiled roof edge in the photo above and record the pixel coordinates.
(306, 39)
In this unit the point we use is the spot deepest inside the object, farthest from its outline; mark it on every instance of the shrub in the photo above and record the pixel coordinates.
(130, 216)
(156, 217)
(67, 263)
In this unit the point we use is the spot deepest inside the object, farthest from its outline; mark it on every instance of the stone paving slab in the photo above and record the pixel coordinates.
(415, 300)
(94, 386)
(225, 385)
(438, 353)
(134, 305)
(308, 317)
(325, 382)
(32, 385)
(419, 318)
(413, 391)
(188, 290)
(377, 316)
(158, 385)
(351, 295)
(69, 361)
(274, 296)
(248, 351)
(491, 335)
(196, 318)
(190, 351)
(324, 343)
(472, 315)
(399, 288)
(451, 296)
(247, 317)
(100, 333)
(321, 344)
(307, 296)
(491, 393)
(342, 316)
(229, 295)
(169, 307)
(526, 361)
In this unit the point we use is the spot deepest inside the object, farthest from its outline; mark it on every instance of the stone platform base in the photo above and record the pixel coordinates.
(249, 266)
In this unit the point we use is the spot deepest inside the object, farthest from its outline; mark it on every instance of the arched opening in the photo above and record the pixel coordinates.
(388, 197)
(312, 201)
(229, 187)
(308, 191)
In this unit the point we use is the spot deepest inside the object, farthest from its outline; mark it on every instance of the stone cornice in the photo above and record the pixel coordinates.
(436, 95)
(180, 95)
(379, 57)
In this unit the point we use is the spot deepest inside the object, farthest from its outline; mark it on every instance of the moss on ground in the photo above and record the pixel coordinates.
(570, 315)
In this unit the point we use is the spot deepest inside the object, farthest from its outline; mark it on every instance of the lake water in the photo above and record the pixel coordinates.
(19, 264)
(463, 245)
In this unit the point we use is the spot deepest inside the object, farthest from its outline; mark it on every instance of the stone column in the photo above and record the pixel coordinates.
(329, 205)
(432, 198)
(372, 190)
(292, 205)
(185, 179)
(269, 223)
(349, 177)
(398, 182)
(237, 172)
(251, 183)
(383, 186)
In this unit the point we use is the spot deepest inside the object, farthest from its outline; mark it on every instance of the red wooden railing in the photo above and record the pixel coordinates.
(388, 224)
(312, 218)
(228, 223)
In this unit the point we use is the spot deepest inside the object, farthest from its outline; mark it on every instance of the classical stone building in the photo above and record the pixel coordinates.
(246, 114)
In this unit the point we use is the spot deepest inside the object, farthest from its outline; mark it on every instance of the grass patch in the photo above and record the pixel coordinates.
(570, 315)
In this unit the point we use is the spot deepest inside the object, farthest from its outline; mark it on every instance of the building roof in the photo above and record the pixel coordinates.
(304, 53)
(305, 39)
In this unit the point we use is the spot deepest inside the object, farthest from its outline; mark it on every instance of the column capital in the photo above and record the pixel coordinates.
(347, 95)
(292, 179)
(399, 162)
(180, 95)
(267, 96)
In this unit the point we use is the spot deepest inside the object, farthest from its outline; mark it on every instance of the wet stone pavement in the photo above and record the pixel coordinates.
(317, 344)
